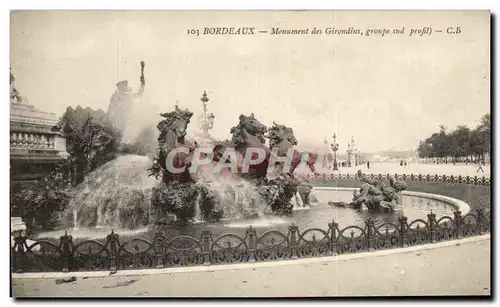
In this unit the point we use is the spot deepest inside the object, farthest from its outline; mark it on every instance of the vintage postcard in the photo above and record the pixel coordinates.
(250, 153)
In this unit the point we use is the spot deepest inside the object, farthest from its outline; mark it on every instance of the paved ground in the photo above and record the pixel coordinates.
(453, 270)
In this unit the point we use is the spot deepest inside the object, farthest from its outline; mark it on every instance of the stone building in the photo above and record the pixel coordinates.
(34, 148)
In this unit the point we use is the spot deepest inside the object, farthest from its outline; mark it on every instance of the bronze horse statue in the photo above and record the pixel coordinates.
(176, 196)
(249, 133)
(282, 139)
(172, 136)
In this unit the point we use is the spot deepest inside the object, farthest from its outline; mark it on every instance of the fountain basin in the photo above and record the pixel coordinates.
(417, 205)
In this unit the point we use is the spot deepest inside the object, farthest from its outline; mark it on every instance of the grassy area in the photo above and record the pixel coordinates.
(474, 195)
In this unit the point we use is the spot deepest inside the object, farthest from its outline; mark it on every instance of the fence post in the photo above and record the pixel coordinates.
(206, 240)
(294, 234)
(65, 246)
(252, 241)
(332, 228)
(431, 219)
(458, 223)
(370, 227)
(159, 242)
(403, 230)
(112, 240)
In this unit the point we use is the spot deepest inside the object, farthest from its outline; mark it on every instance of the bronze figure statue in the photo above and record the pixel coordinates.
(122, 101)
(375, 195)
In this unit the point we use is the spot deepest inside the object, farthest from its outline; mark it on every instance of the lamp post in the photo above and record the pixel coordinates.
(207, 120)
(335, 148)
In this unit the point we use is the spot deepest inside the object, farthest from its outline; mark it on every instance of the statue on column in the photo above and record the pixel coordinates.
(121, 103)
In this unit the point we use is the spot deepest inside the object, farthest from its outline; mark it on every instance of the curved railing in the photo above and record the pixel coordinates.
(114, 254)
(456, 204)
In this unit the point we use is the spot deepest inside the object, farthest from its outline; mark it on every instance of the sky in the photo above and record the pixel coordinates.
(387, 92)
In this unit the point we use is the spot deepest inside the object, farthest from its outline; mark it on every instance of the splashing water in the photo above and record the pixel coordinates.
(118, 196)
(238, 198)
(115, 195)
(242, 204)
(297, 202)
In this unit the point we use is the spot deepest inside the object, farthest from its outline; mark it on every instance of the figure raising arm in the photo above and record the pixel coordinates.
(143, 82)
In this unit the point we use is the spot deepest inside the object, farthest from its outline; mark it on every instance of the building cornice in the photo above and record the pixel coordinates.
(28, 115)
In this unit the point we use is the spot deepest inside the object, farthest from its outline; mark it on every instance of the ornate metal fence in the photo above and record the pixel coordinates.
(472, 180)
(179, 251)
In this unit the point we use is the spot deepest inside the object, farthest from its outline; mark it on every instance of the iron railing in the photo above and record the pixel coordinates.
(472, 180)
(179, 251)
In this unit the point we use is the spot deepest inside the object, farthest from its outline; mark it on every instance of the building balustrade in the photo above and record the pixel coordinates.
(34, 149)
(32, 140)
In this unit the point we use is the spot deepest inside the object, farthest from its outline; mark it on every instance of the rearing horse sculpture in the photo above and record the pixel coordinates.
(281, 140)
(172, 136)
(249, 133)
(177, 195)
(281, 186)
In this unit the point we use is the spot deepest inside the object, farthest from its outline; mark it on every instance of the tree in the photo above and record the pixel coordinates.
(425, 149)
(481, 138)
(460, 143)
(444, 144)
(484, 129)
(91, 139)
(42, 205)
(486, 122)
(476, 145)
